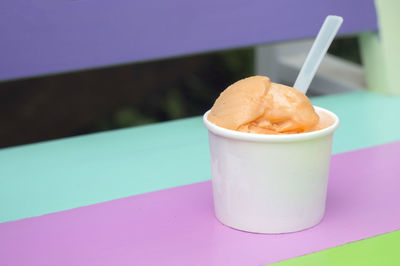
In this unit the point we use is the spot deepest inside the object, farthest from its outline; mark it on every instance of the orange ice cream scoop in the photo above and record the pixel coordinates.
(256, 105)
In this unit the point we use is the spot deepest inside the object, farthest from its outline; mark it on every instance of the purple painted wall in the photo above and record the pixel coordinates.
(46, 36)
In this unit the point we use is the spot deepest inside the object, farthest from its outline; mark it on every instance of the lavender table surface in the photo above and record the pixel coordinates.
(54, 176)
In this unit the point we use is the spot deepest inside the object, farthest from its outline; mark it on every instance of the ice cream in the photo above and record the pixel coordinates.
(268, 183)
(257, 105)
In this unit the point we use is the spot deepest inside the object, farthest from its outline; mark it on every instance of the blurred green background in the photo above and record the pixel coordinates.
(69, 104)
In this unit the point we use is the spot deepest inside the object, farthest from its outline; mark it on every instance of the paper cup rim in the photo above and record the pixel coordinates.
(232, 134)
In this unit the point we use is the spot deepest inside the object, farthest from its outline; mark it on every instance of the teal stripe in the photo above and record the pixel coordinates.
(58, 175)
(63, 174)
(366, 119)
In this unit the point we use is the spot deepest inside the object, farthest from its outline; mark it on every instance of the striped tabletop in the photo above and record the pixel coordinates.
(142, 196)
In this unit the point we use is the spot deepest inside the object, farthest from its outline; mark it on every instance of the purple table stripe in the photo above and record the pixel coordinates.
(177, 226)
(46, 36)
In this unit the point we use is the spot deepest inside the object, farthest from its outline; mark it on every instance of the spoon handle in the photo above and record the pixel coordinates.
(318, 50)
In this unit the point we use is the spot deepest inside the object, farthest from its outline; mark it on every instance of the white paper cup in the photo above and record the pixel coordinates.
(270, 183)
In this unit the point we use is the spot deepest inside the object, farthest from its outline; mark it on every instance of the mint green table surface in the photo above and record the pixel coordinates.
(58, 175)
(63, 174)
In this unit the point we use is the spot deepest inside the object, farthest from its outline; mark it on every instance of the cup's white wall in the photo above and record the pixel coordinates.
(270, 186)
